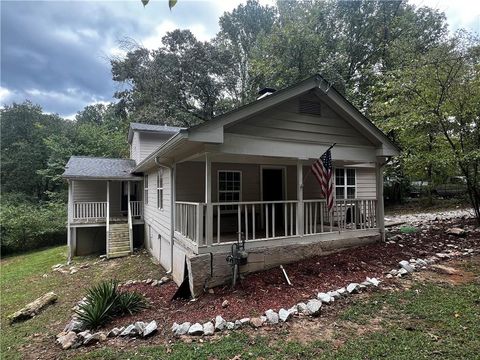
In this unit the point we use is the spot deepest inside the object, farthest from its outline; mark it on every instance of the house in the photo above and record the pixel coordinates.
(193, 196)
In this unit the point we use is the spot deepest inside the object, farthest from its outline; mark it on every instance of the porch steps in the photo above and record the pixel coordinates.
(119, 240)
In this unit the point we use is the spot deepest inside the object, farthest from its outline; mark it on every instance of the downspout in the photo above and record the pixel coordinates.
(172, 210)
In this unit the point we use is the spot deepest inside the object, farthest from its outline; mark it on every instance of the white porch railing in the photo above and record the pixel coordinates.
(137, 208)
(347, 214)
(189, 220)
(259, 220)
(89, 210)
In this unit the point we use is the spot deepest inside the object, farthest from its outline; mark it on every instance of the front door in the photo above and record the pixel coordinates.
(273, 190)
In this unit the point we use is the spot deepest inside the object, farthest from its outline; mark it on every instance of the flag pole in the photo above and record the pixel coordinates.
(310, 169)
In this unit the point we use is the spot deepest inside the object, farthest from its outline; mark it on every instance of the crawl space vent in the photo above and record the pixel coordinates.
(309, 107)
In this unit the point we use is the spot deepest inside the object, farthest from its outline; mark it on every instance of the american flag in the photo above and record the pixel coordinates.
(323, 171)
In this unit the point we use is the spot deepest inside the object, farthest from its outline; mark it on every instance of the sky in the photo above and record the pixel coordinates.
(56, 53)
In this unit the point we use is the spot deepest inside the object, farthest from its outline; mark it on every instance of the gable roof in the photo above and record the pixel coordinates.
(158, 129)
(212, 131)
(97, 168)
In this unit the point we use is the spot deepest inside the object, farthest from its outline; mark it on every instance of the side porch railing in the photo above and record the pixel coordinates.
(98, 210)
(262, 220)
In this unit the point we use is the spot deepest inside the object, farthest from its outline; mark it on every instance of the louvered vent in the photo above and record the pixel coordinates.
(309, 107)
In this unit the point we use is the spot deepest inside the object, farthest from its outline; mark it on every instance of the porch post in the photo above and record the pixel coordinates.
(300, 224)
(208, 201)
(108, 218)
(69, 221)
(380, 206)
(130, 219)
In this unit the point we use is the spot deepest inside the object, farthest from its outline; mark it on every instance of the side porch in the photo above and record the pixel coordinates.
(104, 216)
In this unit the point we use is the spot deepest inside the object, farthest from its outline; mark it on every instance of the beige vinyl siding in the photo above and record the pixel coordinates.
(366, 183)
(149, 142)
(159, 219)
(286, 123)
(96, 190)
(135, 147)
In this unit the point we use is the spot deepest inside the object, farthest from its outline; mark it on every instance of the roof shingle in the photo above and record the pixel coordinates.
(99, 168)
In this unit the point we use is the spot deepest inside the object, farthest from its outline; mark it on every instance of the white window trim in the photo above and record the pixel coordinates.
(160, 189)
(145, 189)
(345, 186)
(219, 191)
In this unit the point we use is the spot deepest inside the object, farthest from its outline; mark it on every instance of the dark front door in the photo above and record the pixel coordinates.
(272, 187)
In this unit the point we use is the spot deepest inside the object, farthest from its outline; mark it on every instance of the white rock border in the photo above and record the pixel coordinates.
(313, 306)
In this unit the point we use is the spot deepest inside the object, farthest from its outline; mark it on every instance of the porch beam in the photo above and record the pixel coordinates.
(129, 207)
(69, 220)
(300, 224)
(380, 211)
(107, 232)
(208, 200)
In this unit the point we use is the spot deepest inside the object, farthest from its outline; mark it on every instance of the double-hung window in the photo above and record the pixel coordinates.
(229, 187)
(145, 189)
(160, 188)
(345, 183)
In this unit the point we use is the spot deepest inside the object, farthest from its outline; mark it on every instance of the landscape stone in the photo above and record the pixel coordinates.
(245, 321)
(182, 329)
(115, 332)
(302, 307)
(208, 328)
(352, 287)
(150, 328)
(68, 340)
(406, 265)
(342, 291)
(224, 303)
(402, 272)
(165, 279)
(154, 283)
(272, 317)
(456, 231)
(256, 322)
(94, 338)
(129, 331)
(230, 325)
(74, 325)
(313, 307)
(238, 324)
(284, 315)
(325, 298)
(139, 327)
(195, 330)
(334, 294)
(220, 323)
(373, 281)
(33, 308)
(442, 269)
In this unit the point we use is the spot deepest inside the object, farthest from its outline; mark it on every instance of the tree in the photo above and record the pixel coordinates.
(238, 35)
(434, 106)
(179, 84)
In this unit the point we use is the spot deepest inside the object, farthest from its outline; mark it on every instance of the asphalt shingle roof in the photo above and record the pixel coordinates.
(156, 128)
(99, 168)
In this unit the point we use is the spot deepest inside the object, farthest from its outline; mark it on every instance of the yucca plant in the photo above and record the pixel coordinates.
(103, 301)
(130, 302)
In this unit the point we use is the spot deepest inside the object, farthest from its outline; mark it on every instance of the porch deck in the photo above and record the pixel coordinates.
(95, 213)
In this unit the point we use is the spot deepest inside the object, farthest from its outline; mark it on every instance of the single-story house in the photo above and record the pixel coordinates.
(193, 196)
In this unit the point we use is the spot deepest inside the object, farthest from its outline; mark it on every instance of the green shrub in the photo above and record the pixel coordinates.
(104, 301)
(26, 226)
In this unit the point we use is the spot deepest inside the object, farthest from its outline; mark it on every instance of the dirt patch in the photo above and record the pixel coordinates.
(461, 275)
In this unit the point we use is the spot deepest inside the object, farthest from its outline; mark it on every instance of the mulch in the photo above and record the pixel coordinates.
(258, 292)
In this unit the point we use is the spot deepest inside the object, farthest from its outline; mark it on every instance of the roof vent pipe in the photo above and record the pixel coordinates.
(265, 92)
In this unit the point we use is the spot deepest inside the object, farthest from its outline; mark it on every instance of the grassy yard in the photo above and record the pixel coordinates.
(27, 277)
(427, 319)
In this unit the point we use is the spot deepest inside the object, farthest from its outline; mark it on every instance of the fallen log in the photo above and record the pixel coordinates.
(33, 308)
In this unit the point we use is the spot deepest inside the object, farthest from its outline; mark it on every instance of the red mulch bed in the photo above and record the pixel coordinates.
(268, 289)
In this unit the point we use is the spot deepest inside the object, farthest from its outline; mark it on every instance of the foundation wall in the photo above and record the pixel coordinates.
(211, 269)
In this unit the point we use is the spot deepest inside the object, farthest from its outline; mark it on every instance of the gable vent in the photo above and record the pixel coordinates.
(309, 107)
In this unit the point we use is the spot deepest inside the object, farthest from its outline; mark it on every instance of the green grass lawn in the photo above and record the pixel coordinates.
(430, 320)
(22, 280)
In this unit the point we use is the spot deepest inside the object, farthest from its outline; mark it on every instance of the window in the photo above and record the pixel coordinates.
(145, 191)
(160, 188)
(345, 183)
(229, 187)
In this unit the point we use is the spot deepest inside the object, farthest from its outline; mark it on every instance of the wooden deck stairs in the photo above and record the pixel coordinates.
(119, 240)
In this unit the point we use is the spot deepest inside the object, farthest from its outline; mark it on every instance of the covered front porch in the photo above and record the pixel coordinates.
(267, 202)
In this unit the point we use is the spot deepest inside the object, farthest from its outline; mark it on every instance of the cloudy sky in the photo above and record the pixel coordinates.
(55, 53)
